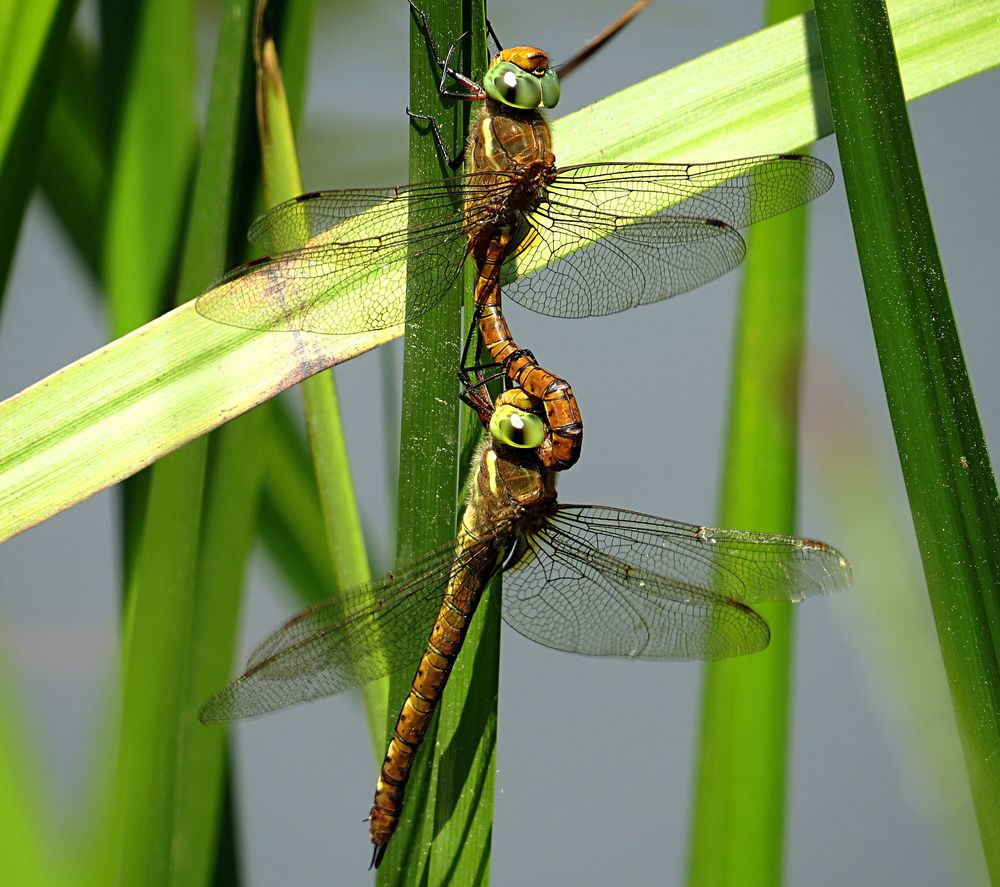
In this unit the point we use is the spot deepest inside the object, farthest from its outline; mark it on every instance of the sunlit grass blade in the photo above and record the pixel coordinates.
(166, 801)
(765, 92)
(167, 383)
(181, 376)
(31, 38)
(946, 466)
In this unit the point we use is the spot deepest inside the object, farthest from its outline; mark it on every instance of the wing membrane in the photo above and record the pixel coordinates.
(612, 236)
(611, 582)
(372, 631)
(339, 262)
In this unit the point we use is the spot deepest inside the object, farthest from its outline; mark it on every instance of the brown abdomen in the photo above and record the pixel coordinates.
(562, 445)
(465, 588)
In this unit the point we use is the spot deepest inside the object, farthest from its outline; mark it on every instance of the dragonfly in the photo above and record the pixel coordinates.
(569, 241)
(589, 579)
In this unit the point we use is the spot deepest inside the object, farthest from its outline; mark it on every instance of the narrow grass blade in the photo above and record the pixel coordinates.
(31, 38)
(290, 515)
(204, 828)
(162, 825)
(72, 168)
(464, 768)
(428, 464)
(72, 174)
(181, 376)
(945, 461)
(739, 810)
(331, 467)
(228, 528)
(152, 158)
(27, 839)
(155, 671)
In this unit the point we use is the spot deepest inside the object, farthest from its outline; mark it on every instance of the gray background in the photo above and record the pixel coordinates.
(877, 789)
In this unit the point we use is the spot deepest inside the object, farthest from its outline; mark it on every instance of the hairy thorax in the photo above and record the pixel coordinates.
(510, 162)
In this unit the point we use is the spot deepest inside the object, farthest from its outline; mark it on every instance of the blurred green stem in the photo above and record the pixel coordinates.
(946, 466)
(739, 812)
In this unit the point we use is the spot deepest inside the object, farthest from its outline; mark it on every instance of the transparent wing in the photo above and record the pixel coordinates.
(621, 267)
(612, 236)
(607, 237)
(609, 582)
(340, 257)
(370, 632)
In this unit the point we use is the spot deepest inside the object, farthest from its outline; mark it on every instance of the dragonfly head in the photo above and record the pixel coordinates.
(515, 423)
(520, 77)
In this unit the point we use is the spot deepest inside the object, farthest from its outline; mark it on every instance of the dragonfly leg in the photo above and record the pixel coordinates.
(478, 397)
(472, 336)
(453, 162)
(474, 91)
(473, 88)
(474, 393)
(472, 375)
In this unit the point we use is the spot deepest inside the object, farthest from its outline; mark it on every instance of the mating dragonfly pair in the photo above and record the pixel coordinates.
(588, 579)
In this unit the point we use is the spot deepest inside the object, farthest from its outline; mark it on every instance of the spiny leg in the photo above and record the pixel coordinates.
(453, 162)
(475, 91)
(473, 377)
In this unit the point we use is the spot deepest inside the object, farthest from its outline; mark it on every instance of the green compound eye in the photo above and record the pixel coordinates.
(550, 89)
(516, 428)
(507, 83)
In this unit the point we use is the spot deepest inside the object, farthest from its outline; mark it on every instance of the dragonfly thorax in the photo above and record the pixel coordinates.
(510, 163)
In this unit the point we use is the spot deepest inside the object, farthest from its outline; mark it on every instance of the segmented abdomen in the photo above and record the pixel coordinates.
(562, 446)
(465, 588)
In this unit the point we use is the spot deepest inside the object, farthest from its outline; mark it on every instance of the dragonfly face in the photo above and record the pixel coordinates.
(512, 483)
(521, 78)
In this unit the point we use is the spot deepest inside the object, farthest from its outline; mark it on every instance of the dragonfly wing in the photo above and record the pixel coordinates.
(343, 642)
(627, 234)
(610, 582)
(588, 267)
(737, 192)
(339, 264)
(371, 212)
